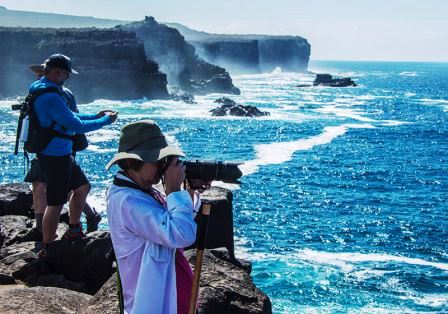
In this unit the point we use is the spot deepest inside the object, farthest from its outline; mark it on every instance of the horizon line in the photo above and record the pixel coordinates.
(373, 60)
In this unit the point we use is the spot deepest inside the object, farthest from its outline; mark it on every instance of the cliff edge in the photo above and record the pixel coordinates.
(249, 53)
(111, 63)
(178, 59)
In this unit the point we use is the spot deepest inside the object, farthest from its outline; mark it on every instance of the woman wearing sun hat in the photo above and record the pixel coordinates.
(148, 230)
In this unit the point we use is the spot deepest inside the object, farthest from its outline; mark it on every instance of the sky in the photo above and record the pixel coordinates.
(383, 30)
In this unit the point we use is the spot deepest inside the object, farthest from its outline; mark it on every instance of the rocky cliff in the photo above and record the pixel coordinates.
(178, 59)
(111, 63)
(250, 53)
(65, 280)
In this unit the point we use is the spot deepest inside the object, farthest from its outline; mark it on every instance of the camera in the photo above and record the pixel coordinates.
(16, 106)
(210, 170)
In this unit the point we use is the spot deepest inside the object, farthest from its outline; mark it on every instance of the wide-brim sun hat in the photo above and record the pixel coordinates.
(37, 68)
(143, 140)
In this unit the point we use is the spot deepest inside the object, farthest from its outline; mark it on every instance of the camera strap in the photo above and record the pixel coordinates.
(129, 184)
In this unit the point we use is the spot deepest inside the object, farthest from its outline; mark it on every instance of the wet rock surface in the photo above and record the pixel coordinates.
(231, 108)
(328, 80)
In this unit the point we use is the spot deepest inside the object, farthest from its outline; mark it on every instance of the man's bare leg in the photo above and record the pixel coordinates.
(50, 223)
(39, 202)
(77, 203)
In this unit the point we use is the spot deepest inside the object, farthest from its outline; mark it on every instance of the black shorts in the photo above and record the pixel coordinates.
(35, 174)
(62, 175)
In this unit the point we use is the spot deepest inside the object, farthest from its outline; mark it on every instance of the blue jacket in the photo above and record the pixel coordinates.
(51, 107)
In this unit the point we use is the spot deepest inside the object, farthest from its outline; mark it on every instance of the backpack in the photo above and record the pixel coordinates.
(29, 131)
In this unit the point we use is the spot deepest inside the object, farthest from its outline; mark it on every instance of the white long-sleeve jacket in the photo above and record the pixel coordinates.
(145, 236)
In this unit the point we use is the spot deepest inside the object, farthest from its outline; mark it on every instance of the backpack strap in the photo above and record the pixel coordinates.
(56, 90)
(132, 185)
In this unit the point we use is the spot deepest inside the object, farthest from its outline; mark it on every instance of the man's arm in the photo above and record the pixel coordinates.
(58, 111)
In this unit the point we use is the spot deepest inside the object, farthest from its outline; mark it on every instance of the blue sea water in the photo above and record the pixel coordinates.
(343, 206)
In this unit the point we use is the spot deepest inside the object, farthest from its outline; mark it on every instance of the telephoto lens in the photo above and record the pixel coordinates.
(211, 170)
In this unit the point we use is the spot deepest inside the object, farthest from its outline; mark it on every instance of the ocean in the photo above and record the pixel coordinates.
(343, 203)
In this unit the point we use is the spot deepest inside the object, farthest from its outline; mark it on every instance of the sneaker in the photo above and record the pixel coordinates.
(42, 253)
(93, 222)
(73, 234)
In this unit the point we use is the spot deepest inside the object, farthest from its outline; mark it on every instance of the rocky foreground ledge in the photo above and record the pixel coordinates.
(79, 277)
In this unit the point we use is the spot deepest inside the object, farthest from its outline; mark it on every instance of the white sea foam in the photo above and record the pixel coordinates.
(96, 148)
(393, 122)
(346, 260)
(408, 73)
(277, 153)
(344, 112)
(433, 101)
(433, 300)
(103, 135)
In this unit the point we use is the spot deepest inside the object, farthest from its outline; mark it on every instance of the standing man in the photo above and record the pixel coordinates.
(36, 177)
(62, 173)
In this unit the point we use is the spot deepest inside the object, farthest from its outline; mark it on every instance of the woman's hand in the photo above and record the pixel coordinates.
(174, 175)
(199, 185)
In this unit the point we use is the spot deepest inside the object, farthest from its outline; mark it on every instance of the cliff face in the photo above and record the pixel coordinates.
(250, 53)
(111, 63)
(235, 56)
(178, 59)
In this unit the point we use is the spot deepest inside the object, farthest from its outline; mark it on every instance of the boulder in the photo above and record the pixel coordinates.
(178, 94)
(231, 108)
(16, 199)
(227, 288)
(106, 299)
(42, 300)
(83, 265)
(88, 260)
(14, 229)
(328, 80)
(220, 222)
(17, 229)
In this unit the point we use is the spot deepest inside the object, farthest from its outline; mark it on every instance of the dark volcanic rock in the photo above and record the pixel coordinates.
(106, 299)
(249, 53)
(88, 261)
(237, 56)
(226, 288)
(42, 300)
(328, 80)
(83, 266)
(86, 266)
(15, 199)
(13, 229)
(111, 63)
(231, 108)
(178, 94)
(178, 60)
(220, 222)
